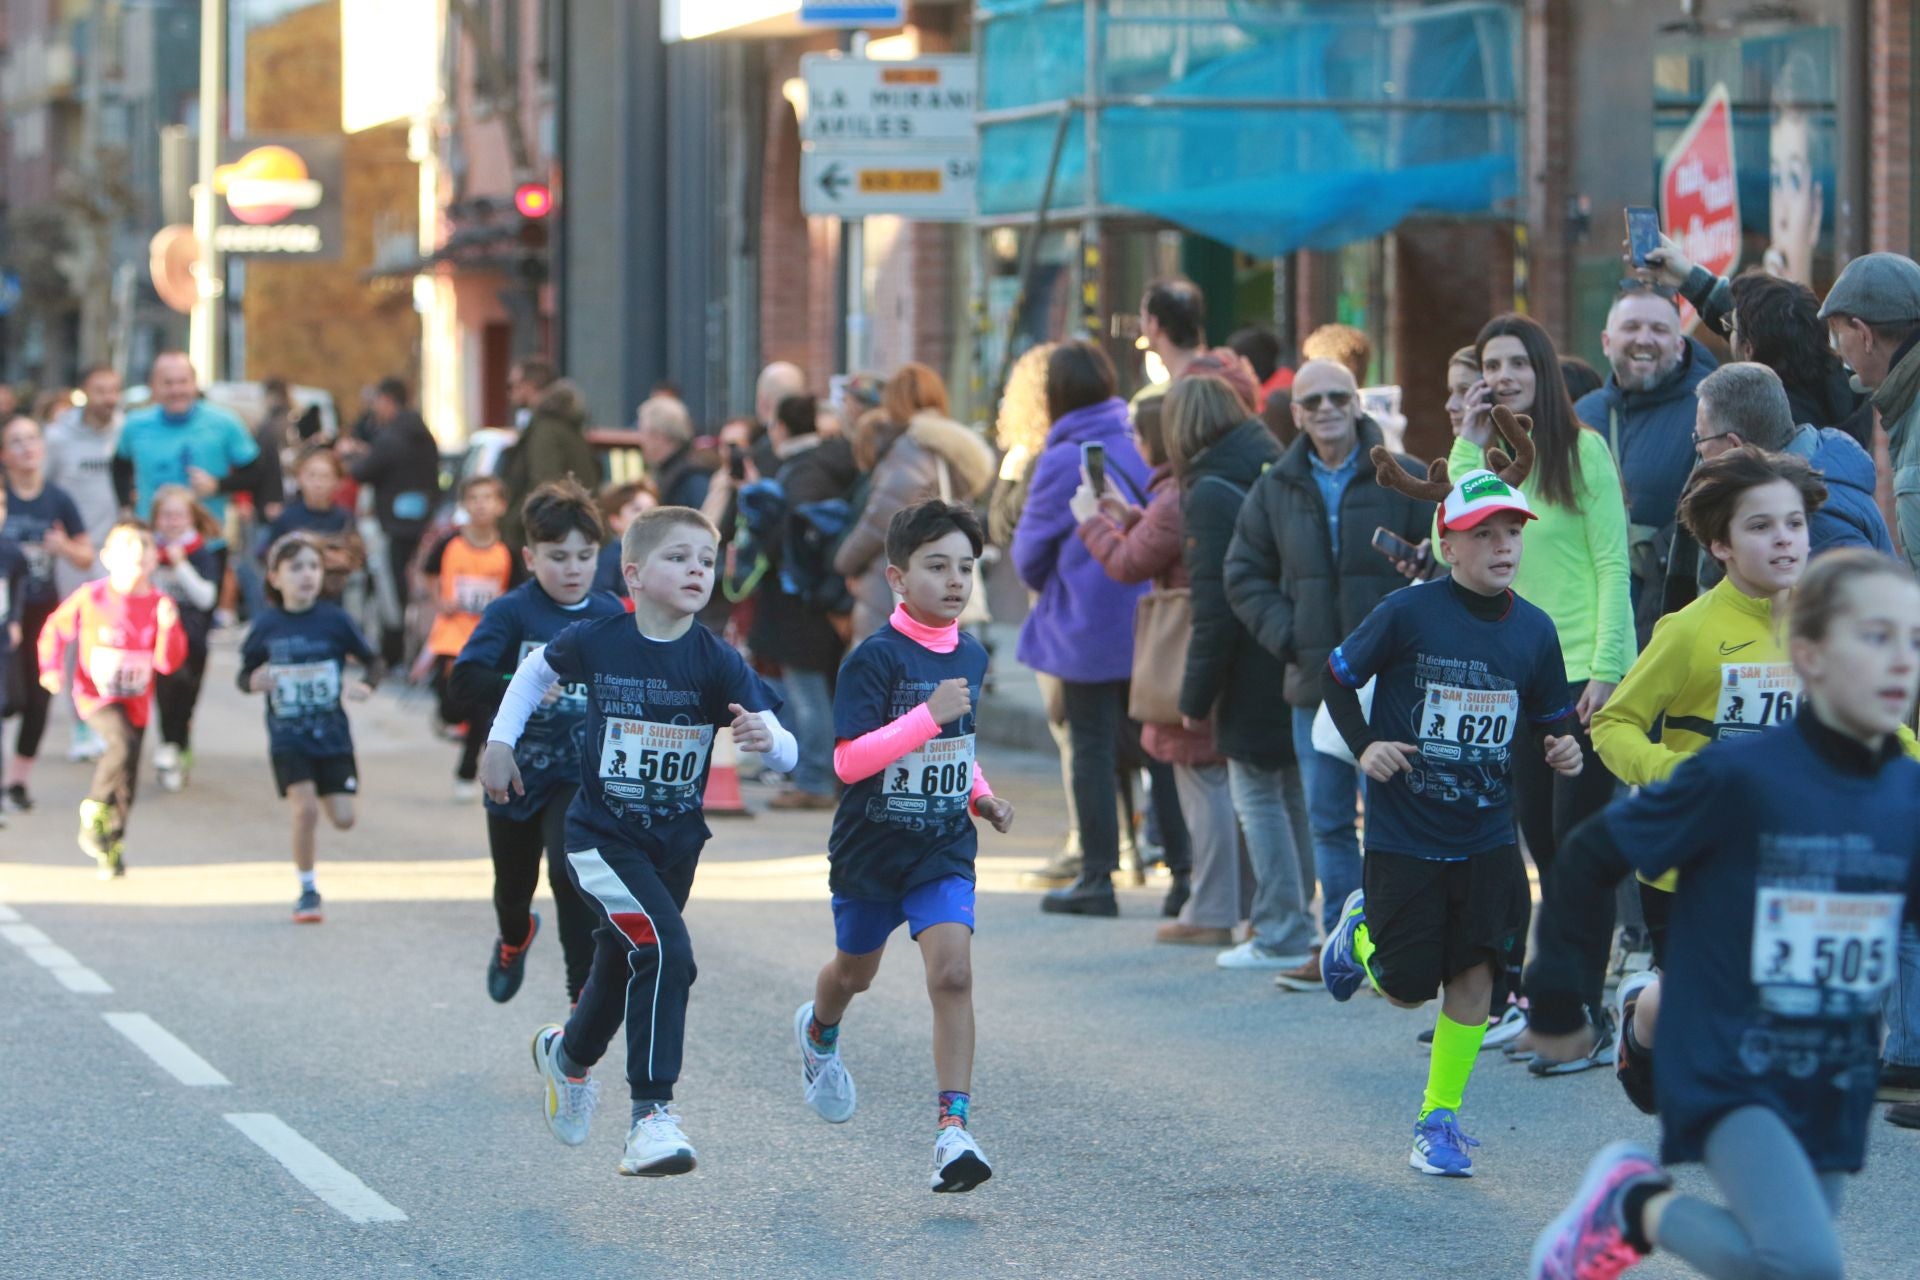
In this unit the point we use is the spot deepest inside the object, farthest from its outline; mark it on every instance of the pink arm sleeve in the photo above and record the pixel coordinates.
(980, 788)
(868, 754)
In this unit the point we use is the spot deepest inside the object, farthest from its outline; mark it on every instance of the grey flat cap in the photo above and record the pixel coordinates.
(1879, 288)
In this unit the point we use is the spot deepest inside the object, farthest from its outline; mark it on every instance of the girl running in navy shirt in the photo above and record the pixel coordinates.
(296, 655)
(1798, 849)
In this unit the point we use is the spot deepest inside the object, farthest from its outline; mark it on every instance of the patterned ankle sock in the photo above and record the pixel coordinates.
(953, 1108)
(644, 1107)
(822, 1037)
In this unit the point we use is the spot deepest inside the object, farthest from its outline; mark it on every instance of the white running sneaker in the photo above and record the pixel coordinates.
(958, 1162)
(166, 767)
(570, 1102)
(465, 792)
(87, 747)
(1504, 1030)
(829, 1088)
(656, 1148)
(1251, 955)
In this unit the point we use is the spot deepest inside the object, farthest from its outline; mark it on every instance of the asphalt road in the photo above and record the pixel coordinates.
(1146, 1113)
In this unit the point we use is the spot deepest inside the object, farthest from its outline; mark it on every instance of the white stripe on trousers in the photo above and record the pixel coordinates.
(604, 884)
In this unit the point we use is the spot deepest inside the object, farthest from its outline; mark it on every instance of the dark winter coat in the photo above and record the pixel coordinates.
(402, 463)
(1228, 675)
(683, 479)
(1298, 594)
(786, 629)
(553, 447)
(1651, 435)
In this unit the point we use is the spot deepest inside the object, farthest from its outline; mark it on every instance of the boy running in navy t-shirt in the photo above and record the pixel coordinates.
(658, 685)
(903, 840)
(1467, 672)
(563, 530)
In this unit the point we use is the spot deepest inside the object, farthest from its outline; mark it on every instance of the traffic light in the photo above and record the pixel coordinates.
(534, 202)
(533, 199)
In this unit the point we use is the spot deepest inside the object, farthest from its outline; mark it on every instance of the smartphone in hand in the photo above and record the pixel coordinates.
(1093, 456)
(1643, 232)
(1394, 547)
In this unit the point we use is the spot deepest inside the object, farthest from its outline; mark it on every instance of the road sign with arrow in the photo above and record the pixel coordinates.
(889, 138)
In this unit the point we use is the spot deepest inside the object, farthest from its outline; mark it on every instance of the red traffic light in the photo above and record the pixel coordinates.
(533, 199)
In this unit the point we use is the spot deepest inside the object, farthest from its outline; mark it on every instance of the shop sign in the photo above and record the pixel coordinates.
(1700, 191)
(279, 198)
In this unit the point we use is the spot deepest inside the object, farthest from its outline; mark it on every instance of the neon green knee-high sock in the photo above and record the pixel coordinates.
(1455, 1047)
(1363, 952)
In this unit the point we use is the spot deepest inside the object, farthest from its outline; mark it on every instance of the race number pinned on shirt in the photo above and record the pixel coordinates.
(473, 595)
(937, 779)
(120, 673)
(1755, 696)
(1811, 946)
(653, 763)
(300, 688)
(1458, 723)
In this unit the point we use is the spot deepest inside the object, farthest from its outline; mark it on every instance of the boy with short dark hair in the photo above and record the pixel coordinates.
(1462, 665)
(468, 570)
(903, 843)
(657, 686)
(126, 630)
(564, 532)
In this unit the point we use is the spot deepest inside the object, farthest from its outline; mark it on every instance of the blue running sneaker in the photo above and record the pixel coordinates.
(1339, 969)
(1440, 1148)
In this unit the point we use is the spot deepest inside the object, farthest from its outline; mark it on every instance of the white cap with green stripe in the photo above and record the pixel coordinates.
(1478, 495)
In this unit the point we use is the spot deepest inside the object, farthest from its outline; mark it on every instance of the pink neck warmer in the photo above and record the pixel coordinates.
(939, 639)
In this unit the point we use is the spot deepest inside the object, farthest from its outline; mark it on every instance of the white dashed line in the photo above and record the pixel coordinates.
(319, 1172)
(166, 1049)
(8, 915)
(58, 961)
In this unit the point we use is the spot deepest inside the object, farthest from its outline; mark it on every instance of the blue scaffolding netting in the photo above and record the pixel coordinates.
(1272, 125)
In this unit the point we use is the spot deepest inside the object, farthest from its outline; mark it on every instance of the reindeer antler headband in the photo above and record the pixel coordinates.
(1515, 429)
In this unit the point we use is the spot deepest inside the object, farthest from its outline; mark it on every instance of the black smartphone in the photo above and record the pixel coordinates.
(1643, 232)
(736, 464)
(1394, 547)
(1093, 456)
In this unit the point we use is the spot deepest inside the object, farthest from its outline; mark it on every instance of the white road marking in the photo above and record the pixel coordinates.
(58, 961)
(166, 1049)
(319, 1172)
(82, 981)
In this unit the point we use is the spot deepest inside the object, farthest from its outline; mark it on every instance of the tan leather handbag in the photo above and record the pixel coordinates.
(1162, 629)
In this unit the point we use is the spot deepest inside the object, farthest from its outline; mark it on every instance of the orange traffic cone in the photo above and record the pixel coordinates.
(723, 779)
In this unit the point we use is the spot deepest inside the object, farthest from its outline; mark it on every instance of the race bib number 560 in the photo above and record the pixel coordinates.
(653, 763)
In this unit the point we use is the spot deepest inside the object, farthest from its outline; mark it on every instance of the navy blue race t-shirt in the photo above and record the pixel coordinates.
(28, 520)
(513, 626)
(652, 707)
(13, 589)
(909, 824)
(1463, 689)
(304, 653)
(1795, 876)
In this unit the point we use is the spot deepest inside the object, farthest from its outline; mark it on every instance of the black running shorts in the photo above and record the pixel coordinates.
(330, 775)
(1431, 921)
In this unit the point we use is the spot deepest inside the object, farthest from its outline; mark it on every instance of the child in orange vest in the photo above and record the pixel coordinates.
(465, 573)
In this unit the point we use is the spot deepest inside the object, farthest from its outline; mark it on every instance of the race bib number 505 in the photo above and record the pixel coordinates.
(1819, 945)
(653, 763)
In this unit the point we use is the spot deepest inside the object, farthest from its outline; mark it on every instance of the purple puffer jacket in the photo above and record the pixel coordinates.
(1081, 627)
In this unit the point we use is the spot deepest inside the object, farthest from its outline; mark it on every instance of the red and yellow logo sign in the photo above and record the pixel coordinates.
(266, 185)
